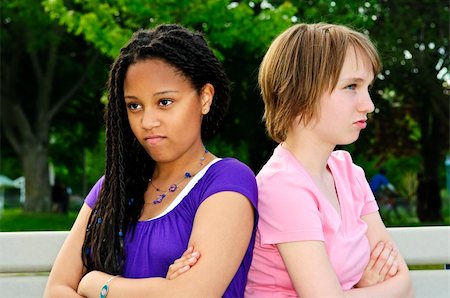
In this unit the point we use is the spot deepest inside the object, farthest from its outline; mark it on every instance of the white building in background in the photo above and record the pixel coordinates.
(20, 182)
(5, 183)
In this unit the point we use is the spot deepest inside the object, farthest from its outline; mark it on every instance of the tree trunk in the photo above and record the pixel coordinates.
(35, 166)
(428, 197)
(31, 95)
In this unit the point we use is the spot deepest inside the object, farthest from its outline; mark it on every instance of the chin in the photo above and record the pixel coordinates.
(348, 141)
(155, 155)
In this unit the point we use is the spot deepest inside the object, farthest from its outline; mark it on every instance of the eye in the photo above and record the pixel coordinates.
(351, 87)
(133, 106)
(165, 102)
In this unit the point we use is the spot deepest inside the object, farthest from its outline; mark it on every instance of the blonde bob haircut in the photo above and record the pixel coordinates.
(300, 65)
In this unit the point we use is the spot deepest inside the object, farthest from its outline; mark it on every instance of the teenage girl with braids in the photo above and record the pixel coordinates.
(163, 193)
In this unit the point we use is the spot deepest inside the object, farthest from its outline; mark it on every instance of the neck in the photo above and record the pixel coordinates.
(188, 162)
(311, 152)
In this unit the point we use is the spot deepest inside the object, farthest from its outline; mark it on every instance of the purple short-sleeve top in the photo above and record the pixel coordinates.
(156, 243)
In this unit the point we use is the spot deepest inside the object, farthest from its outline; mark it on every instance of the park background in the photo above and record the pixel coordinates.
(55, 57)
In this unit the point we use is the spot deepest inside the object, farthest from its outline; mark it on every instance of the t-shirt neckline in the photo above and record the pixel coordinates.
(192, 182)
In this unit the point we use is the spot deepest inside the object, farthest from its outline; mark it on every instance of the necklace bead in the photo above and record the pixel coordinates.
(159, 198)
(174, 187)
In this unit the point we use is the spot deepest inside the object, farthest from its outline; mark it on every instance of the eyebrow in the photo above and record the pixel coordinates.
(164, 92)
(154, 94)
(355, 79)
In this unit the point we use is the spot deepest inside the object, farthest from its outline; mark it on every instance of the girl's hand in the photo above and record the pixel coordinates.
(382, 265)
(183, 264)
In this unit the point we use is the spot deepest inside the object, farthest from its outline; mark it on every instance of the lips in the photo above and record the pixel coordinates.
(153, 139)
(361, 123)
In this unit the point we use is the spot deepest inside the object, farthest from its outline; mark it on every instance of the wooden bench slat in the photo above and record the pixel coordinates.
(431, 283)
(22, 286)
(29, 251)
(33, 252)
(423, 245)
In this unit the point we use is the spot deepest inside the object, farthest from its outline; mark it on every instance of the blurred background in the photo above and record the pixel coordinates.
(55, 58)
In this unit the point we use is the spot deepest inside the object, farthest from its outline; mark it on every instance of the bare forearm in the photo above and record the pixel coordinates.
(92, 283)
(397, 287)
(144, 287)
(61, 291)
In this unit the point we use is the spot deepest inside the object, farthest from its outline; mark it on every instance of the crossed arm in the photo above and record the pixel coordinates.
(312, 274)
(222, 226)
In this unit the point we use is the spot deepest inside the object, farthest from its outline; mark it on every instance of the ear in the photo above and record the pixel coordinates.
(206, 97)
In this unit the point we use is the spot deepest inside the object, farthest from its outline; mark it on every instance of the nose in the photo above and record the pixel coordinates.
(366, 104)
(149, 119)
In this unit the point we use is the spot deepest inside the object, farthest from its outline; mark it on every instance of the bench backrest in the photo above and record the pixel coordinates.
(423, 245)
(27, 257)
(29, 251)
(426, 246)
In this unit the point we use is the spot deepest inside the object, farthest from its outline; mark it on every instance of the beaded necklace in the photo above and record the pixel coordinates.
(174, 187)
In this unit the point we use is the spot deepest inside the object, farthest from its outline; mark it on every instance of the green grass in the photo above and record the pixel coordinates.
(12, 220)
(426, 267)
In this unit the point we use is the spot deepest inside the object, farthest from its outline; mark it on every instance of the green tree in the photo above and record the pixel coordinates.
(42, 69)
(238, 31)
(413, 100)
(109, 24)
(244, 123)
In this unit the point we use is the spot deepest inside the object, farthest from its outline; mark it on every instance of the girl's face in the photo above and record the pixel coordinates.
(343, 112)
(164, 110)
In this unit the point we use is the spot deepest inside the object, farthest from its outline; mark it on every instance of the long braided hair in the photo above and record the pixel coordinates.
(128, 166)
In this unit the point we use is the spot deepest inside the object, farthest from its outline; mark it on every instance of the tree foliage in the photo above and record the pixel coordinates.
(412, 99)
(238, 31)
(411, 94)
(42, 70)
(109, 24)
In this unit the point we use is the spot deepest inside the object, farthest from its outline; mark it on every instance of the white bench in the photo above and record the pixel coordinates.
(26, 259)
(426, 246)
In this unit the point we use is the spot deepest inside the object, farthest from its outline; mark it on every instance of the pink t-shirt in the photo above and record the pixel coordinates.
(291, 208)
